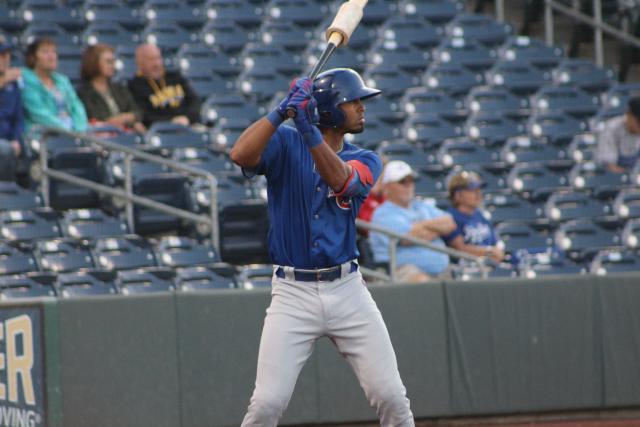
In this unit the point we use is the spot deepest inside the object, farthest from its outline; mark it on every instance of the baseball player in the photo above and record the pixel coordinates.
(316, 184)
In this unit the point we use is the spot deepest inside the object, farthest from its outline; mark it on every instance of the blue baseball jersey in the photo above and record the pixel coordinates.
(310, 227)
(474, 228)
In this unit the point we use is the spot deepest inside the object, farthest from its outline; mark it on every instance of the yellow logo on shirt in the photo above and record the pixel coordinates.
(170, 96)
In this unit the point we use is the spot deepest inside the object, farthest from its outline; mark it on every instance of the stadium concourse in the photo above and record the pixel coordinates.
(461, 91)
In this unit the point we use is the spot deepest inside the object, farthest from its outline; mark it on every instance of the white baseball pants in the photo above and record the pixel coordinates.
(302, 312)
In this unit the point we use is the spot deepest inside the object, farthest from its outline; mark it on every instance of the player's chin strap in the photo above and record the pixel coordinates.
(360, 181)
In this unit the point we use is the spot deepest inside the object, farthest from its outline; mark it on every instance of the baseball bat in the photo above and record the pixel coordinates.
(344, 24)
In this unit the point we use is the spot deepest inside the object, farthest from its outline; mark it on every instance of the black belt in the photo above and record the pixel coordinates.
(320, 275)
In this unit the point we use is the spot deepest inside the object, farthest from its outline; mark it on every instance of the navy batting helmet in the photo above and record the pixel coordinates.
(335, 87)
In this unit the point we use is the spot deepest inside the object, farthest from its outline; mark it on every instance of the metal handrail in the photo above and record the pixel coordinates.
(596, 23)
(395, 237)
(127, 194)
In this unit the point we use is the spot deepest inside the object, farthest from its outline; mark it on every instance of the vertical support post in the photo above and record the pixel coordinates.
(597, 33)
(128, 186)
(393, 244)
(213, 212)
(500, 10)
(548, 23)
(44, 170)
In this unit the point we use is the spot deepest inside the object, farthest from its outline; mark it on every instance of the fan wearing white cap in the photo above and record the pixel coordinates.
(403, 213)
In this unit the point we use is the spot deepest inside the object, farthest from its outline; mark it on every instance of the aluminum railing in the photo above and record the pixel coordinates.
(126, 194)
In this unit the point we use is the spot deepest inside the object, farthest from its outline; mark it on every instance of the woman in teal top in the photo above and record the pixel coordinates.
(48, 97)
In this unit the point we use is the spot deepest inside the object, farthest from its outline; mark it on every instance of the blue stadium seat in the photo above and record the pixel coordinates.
(431, 184)
(390, 79)
(519, 77)
(582, 147)
(255, 276)
(29, 225)
(376, 134)
(377, 12)
(618, 95)
(178, 252)
(466, 52)
(15, 260)
(343, 57)
(437, 12)
(418, 100)
(382, 108)
(410, 31)
(584, 74)
(597, 122)
(123, 253)
(243, 13)
(565, 99)
(243, 232)
(630, 235)
(532, 50)
(170, 136)
(534, 180)
(284, 35)
(207, 57)
(91, 224)
(464, 152)
(144, 281)
(615, 261)
(270, 59)
(409, 153)
(479, 28)
(114, 12)
(520, 239)
(202, 279)
(14, 197)
(582, 238)
(107, 32)
(32, 285)
(453, 79)
(299, 12)
(81, 162)
(216, 163)
(39, 29)
(9, 21)
(466, 272)
(627, 203)
(570, 205)
(227, 105)
(51, 13)
(599, 181)
(227, 130)
(86, 283)
(557, 128)
(258, 85)
(62, 255)
(493, 127)
(496, 99)
(406, 57)
(172, 11)
(429, 129)
(226, 36)
(360, 40)
(167, 36)
(545, 264)
(524, 149)
(504, 207)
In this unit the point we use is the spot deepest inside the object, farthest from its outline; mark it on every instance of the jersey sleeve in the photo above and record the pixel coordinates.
(455, 233)
(273, 155)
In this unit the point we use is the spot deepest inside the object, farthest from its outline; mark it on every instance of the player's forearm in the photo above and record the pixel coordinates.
(251, 143)
(331, 168)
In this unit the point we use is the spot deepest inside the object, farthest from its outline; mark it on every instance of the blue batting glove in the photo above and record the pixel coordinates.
(306, 113)
(279, 115)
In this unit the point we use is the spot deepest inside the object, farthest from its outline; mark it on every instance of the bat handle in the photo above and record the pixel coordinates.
(328, 51)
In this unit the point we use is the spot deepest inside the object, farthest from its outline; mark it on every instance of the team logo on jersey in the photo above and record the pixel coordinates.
(343, 203)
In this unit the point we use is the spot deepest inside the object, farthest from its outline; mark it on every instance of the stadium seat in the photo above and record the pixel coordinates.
(360, 40)
(615, 261)
(582, 147)
(410, 31)
(535, 51)
(617, 97)
(39, 29)
(167, 36)
(343, 57)
(207, 57)
(493, 127)
(270, 59)
(123, 253)
(172, 11)
(178, 252)
(231, 190)
(548, 264)
(283, 35)
(570, 205)
(453, 79)
(535, 180)
(503, 207)
(216, 163)
(599, 181)
(259, 85)
(390, 79)
(464, 152)
(112, 12)
(584, 74)
(519, 77)
(62, 256)
(418, 100)
(91, 224)
(299, 12)
(15, 260)
(144, 281)
(31, 285)
(466, 272)
(243, 229)
(630, 235)
(496, 99)
(627, 203)
(520, 239)
(14, 197)
(479, 28)
(29, 225)
(243, 13)
(377, 12)
(81, 162)
(429, 129)
(382, 108)
(227, 105)
(466, 52)
(408, 58)
(49, 12)
(227, 130)
(226, 36)
(524, 149)
(202, 279)
(437, 12)
(430, 184)
(108, 32)
(376, 134)
(255, 276)
(9, 21)
(566, 99)
(582, 238)
(409, 153)
(86, 283)
(168, 136)
(557, 128)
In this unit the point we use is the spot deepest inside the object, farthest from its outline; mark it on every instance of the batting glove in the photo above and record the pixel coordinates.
(279, 115)
(306, 113)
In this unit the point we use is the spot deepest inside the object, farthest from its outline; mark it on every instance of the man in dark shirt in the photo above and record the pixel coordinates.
(163, 96)
(11, 115)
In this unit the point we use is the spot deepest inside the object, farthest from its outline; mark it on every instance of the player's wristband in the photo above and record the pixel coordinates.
(275, 118)
(311, 136)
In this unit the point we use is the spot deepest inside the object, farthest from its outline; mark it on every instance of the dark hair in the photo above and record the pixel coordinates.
(634, 106)
(32, 49)
(90, 66)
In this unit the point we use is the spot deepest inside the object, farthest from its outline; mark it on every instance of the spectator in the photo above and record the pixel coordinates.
(105, 100)
(473, 233)
(11, 117)
(163, 96)
(619, 140)
(48, 97)
(403, 213)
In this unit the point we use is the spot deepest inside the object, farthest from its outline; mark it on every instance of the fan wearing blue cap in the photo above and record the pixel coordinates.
(11, 116)
(473, 233)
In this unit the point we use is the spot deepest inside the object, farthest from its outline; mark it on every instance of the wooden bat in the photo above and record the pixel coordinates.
(344, 24)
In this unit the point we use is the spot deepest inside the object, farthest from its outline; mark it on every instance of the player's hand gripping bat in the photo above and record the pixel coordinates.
(338, 34)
